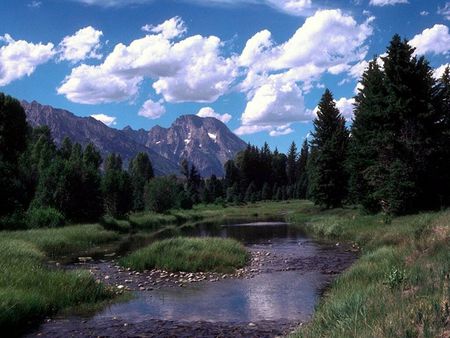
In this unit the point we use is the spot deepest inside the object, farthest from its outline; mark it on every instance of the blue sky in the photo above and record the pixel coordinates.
(259, 65)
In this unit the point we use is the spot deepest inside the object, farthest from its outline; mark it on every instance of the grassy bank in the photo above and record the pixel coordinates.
(400, 285)
(189, 255)
(29, 289)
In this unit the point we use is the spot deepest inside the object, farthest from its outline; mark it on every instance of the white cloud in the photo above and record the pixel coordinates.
(432, 40)
(106, 119)
(294, 7)
(152, 110)
(20, 58)
(387, 2)
(424, 13)
(169, 29)
(280, 131)
(330, 41)
(445, 11)
(94, 85)
(438, 72)
(188, 70)
(84, 44)
(209, 112)
(345, 106)
(247, 130)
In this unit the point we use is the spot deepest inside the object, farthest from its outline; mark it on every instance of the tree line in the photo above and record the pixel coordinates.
(395, 158)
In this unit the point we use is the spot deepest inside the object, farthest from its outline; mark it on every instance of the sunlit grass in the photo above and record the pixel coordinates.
(189, 255)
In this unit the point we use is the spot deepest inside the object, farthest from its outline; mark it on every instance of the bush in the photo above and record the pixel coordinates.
(44, 218)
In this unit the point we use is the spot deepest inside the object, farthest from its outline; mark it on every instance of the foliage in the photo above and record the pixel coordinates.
(141, 171)
(44, 218)
(116, 187)
(162, 194)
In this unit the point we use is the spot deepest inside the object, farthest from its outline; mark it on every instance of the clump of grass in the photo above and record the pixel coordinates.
(189, 255)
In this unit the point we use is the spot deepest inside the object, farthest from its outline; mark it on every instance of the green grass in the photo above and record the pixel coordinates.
(189, 255)
(29, 289)
(70, 240)
(399, 287)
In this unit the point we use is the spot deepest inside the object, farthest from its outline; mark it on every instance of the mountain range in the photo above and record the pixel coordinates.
(204, 141)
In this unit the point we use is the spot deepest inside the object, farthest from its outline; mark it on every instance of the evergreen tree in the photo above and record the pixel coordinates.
(302, 186)
(330, 140)
(141, 171)
(291, 164)
(369, 135)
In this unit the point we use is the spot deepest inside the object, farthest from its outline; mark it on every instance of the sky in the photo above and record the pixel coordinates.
(260, 66)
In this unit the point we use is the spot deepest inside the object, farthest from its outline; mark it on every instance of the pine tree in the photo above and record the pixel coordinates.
(302, 186)
(369, 128)
(291, 164)
(330, 139)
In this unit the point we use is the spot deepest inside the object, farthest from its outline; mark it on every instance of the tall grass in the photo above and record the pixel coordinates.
(399, 287)
(29, 289)
(189, 255)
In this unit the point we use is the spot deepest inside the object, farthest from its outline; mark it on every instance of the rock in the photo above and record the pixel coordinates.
(120, 287)
(251, 324)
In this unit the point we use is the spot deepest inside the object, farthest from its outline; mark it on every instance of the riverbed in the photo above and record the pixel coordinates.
(276, 293)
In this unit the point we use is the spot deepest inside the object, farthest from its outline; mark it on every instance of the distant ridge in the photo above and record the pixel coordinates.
(205, 142)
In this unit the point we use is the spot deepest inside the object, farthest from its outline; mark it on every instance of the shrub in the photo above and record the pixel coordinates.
(44, 218)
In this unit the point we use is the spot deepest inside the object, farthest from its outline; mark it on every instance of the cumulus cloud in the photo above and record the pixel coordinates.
(106, 119)
(438, 72)
(387, 2)
(210, 112)
(152, 109)
(20, 58)
(84, 44)
(432, 40)
(94, 85)
(345, 106)
(331, 41)
(188, 70)
(169, 29)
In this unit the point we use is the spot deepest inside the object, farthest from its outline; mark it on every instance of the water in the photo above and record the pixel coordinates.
(273, 295)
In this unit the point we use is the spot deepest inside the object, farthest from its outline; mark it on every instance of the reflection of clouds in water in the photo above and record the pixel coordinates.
(281, 297)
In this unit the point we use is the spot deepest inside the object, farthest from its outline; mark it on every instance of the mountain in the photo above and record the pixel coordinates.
(205, 142)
